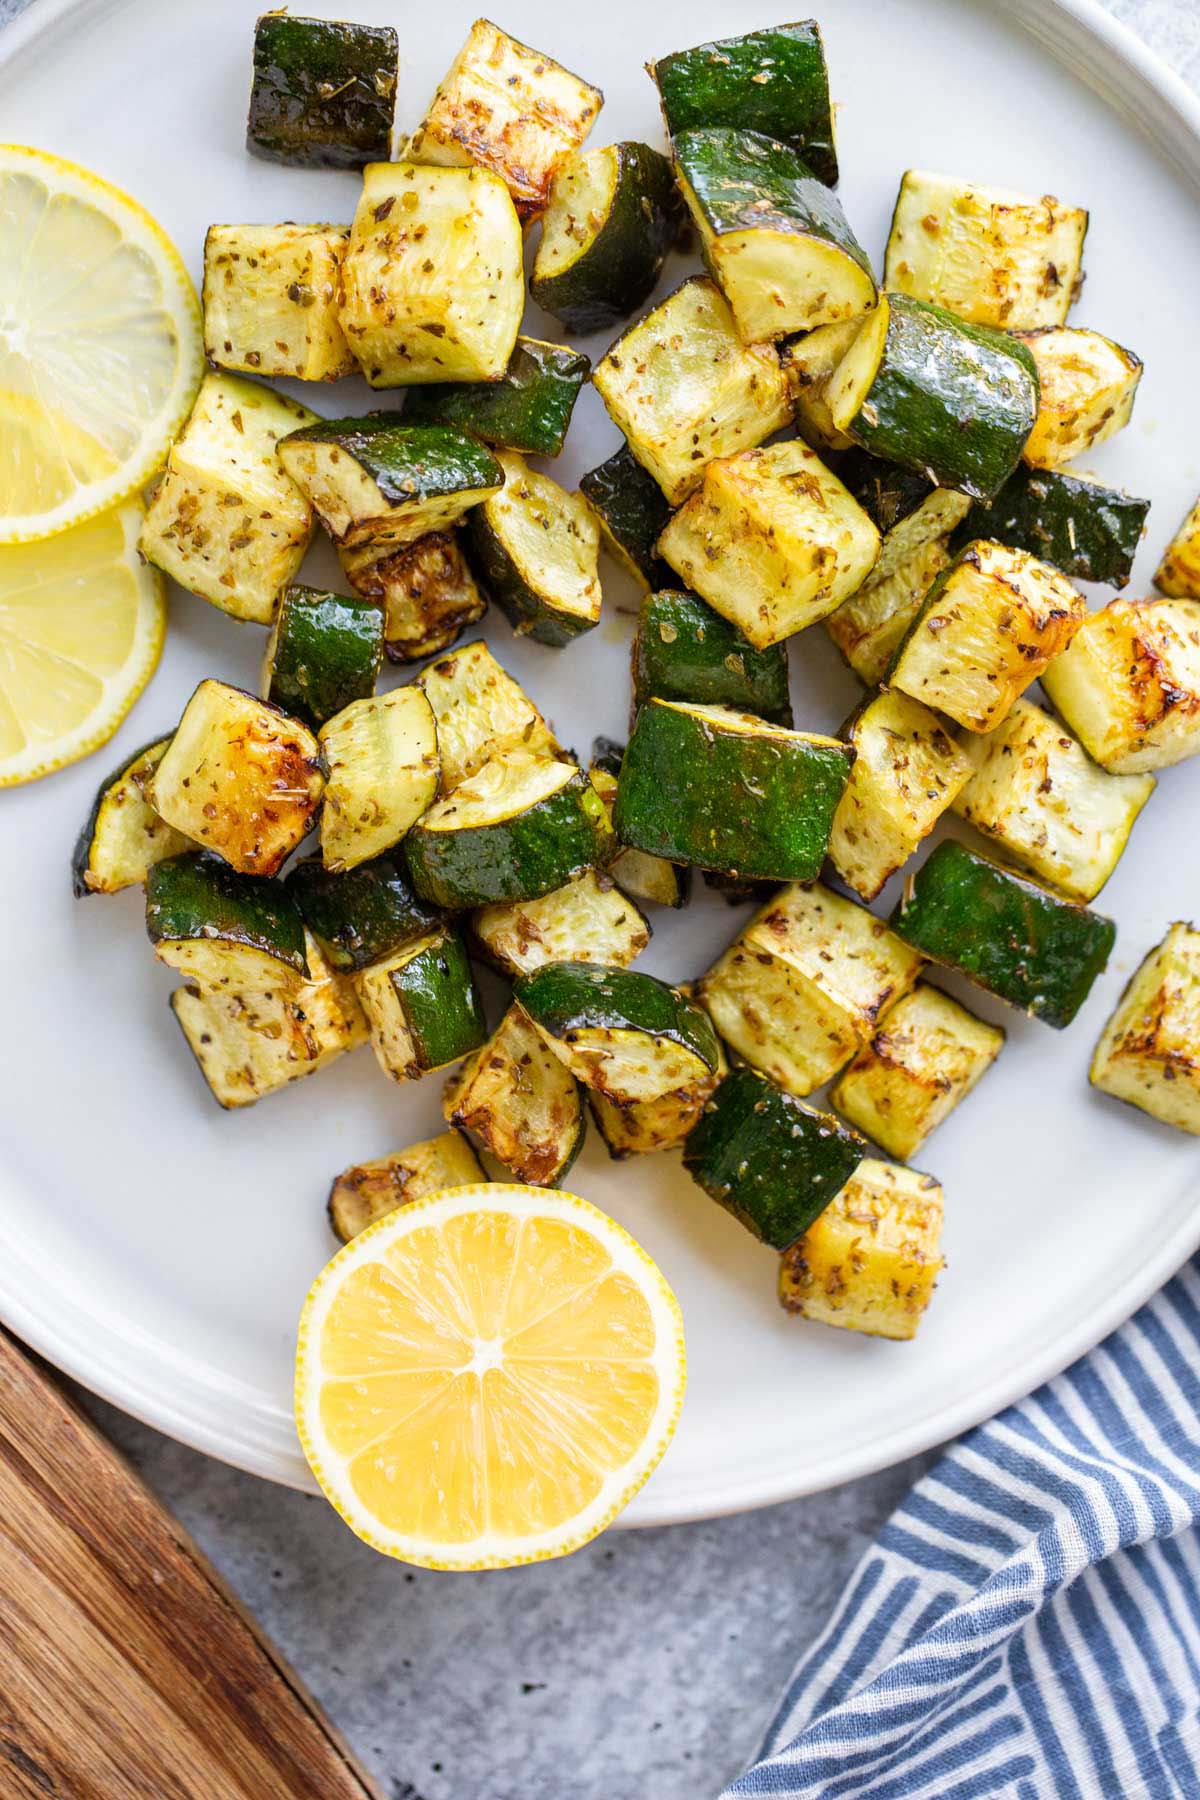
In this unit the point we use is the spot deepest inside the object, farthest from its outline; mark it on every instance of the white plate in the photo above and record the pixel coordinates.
(158, 1249)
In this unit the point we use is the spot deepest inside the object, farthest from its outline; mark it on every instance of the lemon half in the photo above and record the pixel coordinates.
(101, 344)
(488, 1376)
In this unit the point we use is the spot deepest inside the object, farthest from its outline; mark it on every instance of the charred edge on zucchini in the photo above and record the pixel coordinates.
(1147, 1053)
(1128, 684)
(516, 1100)
(123, 837)
(623, 1033)
(427, 592)
(370, 1190)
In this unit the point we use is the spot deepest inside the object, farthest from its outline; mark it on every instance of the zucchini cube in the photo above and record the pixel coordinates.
(649, 878)
(324, 92)
(1087, 384)
(427, 592)
(683, 387)
(240, 777)
(1149, 1052)
(226, 520)
(809, 364)
(1036, 793)
(772, 540)
(528, 409)
(926, 1056)
(905, 506)
(361, 916)
(869, 1263)
(323, 652)
(382, 761)
(422, 1006)
(683, 650)
(613, 217)
(631, 512)
(771, 1161)
(1128, 685)
(537, 549)
(123, 837)
(506, 108)
(272, 294)
(989, 626)
(371, 1190)
(1179, 571)
(869, 627)
(587, 920)
(481, 713)
(622, 1033)
(907, 770)
(227, 933)
(433, 283)
(992, 255)
(1083, 528)
(803, 987)
(516, 1100)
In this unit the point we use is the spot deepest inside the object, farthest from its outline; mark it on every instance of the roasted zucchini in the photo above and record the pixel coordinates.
(587, 920)
(649, 878)
(870, 626)
(925, 1057)
(1179, 571)
(240, 778)
(613, 216)
(508, 109)
(1007, 934)
(123, 837)
(683, 650)
(924, 389)
(229, 934)
(772, 540)
(1038, 795)
(802, 988)
(324, 92)
(428, 593)
(906, 509)
(371, 1190)
(1149, 1052)
(515, 1099)
(226, 520)
(809, 364)
(323, 652)
(907, 770)
(870, 1261)
(640, 1127)
(683, 388)
(271, 300)
(1128, 684)
(528, 409)
(422, 1006)
(481, 712)
(623, 1034)
(772, 81)
(631, 512)
(433, 283)
(1083, 529)
(723, 790)
(990, 254)
(361, 916)
(991, 623)
(1087, 387)
(383, 769)
(773, 235)
(536, 548)
(376, 481)
(519, 827)
(773, 1162)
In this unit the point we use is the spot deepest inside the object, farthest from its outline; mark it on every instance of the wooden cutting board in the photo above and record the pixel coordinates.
(127, 1669)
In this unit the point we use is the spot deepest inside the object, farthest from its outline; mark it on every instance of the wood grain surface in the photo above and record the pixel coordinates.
(127, 1669)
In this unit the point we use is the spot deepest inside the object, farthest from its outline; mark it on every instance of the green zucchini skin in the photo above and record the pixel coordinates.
(517, 858)
(323, 94)
(81, 856)
(1083, 528)
(773, 81)
(683, 650)
(1006, 933)
(442, 1009)
(746, 806)
(568, 997)
(529, 612)
(363, 915)
(407, 462)
(951, 401)
(325, 650)
(633, 512)
(528, 409)
(769, 1159)
(197, 895)
(617, 270)
(887, 493)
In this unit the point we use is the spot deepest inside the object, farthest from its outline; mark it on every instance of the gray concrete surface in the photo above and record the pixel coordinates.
(640, 1669)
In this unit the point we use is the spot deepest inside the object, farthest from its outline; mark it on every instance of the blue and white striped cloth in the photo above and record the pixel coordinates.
(1028, 1622)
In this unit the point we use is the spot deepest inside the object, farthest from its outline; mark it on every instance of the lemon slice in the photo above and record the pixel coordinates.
(101, 346)
(82, 621)
(487, 1377)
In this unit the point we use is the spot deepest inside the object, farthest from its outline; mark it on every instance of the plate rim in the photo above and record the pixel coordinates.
(192, 1404)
